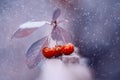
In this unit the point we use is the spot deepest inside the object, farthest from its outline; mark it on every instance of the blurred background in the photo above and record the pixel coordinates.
(95, 25)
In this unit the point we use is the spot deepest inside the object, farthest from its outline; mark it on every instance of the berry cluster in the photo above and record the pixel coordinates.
(58, 50)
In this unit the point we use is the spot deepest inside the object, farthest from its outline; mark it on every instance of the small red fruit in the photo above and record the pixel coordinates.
(48, 52)
(68, 49)
(58, 50)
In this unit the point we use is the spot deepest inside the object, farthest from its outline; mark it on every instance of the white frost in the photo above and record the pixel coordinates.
(33, 24)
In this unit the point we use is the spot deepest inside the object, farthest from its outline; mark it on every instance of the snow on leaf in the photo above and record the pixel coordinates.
(28, 28)
(33, 24)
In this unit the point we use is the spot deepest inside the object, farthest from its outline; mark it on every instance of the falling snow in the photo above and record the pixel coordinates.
(95, 24)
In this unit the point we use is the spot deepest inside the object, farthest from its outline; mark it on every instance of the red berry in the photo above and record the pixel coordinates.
(48, 52)
(58, 50)
(68, 49)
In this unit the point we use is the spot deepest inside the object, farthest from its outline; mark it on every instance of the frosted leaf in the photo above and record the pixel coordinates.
(56, 14)
(56, 34)
(66, 35)
(61, 34)
(28, 28)
(34, 53)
